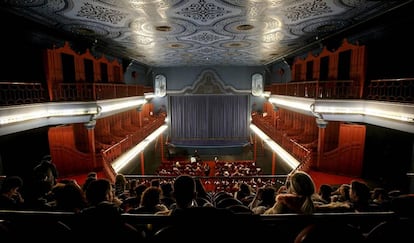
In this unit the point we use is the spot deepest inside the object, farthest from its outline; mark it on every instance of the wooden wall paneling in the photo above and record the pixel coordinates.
(103, 132)
(66, 49)
(358, 63)
(68, 160)
(50, 72)
(314, 60)
(297, 121)
(288, 119)
(352, 136)
(331, 135)
(88, 56)
(81, 137)
(100, 60)
(117, 72)
(135, 118)
(126, 121)
(111, 75)
(115, 128)
(299, 69)
(119, 125)
(358, 70)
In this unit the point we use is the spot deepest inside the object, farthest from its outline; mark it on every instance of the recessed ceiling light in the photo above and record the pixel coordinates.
(245, 27)
(163, 28)
(236, 44)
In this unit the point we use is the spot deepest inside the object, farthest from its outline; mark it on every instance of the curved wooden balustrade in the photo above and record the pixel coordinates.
(338, 89)
(393, 90)
(398, 90)
(16, 93)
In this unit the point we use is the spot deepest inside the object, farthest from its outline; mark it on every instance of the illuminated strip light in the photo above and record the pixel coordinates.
(293, 103)
(46, 112)
(289, 159)
(149, 95)
(390, 115)
(127, 157)
(367, 108)
(122, 105)
(399, 113)
(339, 110)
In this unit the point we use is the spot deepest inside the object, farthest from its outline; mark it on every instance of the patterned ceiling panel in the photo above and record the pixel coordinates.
(167, 33)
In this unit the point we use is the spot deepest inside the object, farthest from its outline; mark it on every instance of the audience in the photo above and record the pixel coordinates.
(102, 215)
(299, 196)
(150, 202)
(10, 197)
(264, 200)
(101, 204)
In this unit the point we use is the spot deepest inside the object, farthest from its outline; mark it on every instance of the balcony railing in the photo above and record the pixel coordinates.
(15, 93)
(392, 90)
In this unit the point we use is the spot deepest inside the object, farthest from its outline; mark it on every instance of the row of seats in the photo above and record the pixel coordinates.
(293, 228)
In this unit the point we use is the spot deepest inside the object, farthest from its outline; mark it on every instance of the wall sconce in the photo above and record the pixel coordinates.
(257, 84)
(160, 85)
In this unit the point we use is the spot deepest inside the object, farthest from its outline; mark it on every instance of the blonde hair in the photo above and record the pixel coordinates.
(301, 183)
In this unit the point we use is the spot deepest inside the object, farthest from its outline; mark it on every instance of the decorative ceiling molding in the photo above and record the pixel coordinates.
(161, 33)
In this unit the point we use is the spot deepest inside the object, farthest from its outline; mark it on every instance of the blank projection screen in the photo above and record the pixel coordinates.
(209, 119)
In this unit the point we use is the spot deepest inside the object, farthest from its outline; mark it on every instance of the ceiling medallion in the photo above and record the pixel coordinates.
(234, 44)
(176, 45)
(163, 28)
(84, 31)
(245, 27)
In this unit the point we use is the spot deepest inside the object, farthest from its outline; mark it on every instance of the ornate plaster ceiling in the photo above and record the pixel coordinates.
(166, 33)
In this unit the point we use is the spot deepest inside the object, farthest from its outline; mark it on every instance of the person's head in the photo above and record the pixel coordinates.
(166, 189)
(268, 195)
(325, 192)
(245, 188)
(92, 174)
(155, 182)
(45, 172)
(69, 197)
(99, 190)
(359, 192)
(120, 179)
(11, 184)
(151, 196)
(184, 191)
(379, 194)
(302, 184)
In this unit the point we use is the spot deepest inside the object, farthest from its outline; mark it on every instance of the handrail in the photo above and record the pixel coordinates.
(398, 90)
(152, 218)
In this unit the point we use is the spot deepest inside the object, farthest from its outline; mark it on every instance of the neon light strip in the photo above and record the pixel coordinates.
(289, 159)
(127, 157)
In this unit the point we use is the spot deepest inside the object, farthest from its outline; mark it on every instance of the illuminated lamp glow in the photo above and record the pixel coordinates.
(46, 111)
(297, 104)
(285, 156)
(127, 157)
(122, 105)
